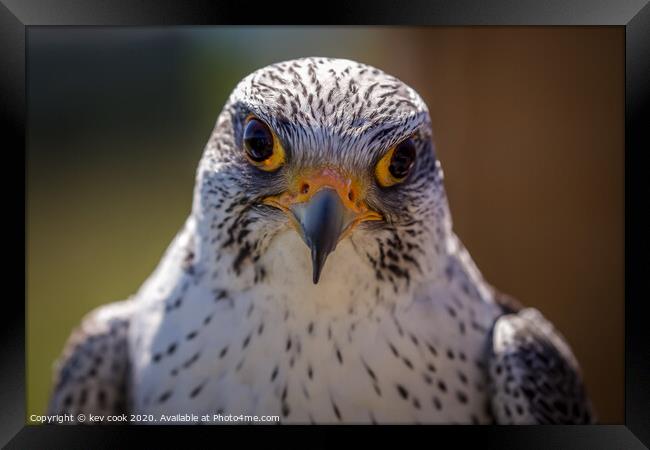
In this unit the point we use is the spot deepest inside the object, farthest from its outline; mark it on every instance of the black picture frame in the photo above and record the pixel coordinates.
(634, 15)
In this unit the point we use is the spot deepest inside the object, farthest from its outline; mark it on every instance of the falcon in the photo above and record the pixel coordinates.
(318, 279)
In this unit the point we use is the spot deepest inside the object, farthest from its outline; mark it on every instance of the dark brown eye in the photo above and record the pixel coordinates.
(396, 164)
(403, 159)
(258, 141)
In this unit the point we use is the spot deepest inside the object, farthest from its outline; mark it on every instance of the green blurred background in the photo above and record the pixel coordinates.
(528, 122)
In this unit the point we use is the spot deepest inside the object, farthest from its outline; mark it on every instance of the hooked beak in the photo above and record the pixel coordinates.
(324, 207)
(322, 221)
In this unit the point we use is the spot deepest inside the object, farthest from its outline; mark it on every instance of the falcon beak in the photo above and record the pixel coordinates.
(324, 206)
(322, 220)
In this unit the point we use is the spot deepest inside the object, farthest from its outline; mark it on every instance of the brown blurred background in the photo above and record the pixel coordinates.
(528, 124)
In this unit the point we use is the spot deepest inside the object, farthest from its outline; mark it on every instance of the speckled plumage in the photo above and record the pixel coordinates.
(401, 327)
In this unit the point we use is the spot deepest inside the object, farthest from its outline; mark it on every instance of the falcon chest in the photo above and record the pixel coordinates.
(342, 350)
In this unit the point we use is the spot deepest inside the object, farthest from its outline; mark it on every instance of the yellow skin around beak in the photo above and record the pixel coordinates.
(323, 205)
(305, 185)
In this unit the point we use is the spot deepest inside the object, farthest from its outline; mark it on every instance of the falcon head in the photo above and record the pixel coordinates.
(329, 149)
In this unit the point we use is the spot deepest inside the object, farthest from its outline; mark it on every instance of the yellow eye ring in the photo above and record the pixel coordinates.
(262, 147)
(395, 166)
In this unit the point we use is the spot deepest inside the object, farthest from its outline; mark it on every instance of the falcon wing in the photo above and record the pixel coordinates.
(535, 378)
(91, 376)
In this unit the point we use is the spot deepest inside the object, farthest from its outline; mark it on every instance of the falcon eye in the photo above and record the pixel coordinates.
(396, 164)
(262, 147)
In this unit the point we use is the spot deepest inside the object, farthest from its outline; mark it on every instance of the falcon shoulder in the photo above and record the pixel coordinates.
(91, 375)
(535, 378)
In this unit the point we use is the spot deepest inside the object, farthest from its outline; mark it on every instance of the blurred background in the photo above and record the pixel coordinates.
(528, 123)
